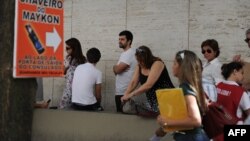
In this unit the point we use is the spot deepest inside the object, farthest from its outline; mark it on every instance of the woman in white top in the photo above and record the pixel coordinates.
(212, 67)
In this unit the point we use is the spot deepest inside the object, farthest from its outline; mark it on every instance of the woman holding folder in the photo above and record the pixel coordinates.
(187, 69)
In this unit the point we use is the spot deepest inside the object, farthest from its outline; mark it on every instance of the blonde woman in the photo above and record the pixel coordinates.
(187, 69)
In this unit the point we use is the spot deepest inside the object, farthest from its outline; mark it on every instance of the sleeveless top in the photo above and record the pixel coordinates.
(163, 81)
(229, 96)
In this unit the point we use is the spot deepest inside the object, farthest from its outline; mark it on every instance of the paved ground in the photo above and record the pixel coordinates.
(60, 125)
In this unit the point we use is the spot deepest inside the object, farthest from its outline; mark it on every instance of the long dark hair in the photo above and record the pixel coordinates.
(76, 54)
(145, 56)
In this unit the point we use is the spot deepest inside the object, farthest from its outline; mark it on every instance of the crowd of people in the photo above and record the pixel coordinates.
(139, 72)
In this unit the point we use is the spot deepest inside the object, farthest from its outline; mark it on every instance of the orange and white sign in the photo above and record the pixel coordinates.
(38, 43)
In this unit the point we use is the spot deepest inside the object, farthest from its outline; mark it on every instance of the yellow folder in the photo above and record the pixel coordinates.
(172, 105)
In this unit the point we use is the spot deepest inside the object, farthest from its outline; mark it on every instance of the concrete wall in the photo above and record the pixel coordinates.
(166, 26)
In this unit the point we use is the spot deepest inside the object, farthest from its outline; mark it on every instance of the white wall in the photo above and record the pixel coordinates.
(166, 26)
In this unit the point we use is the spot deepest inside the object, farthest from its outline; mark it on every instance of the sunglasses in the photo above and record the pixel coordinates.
(247, 40)
(139, 50)
(208, 51)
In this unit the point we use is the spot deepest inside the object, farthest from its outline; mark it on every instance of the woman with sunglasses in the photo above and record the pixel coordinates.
(73, 59)
(211, 74)
(151, 73)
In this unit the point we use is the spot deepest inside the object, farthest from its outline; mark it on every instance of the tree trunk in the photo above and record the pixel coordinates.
(16, 95)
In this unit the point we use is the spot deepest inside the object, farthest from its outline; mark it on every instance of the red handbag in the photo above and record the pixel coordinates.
(215, 118)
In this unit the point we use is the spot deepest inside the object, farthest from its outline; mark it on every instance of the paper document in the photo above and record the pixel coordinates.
(172, 105)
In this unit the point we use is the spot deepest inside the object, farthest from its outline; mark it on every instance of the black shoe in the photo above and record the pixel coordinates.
(100, 109)
(53, 107)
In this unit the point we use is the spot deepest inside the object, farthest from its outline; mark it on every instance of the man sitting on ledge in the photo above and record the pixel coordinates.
(86, 86)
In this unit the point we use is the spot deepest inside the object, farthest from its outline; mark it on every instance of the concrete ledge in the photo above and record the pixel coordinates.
(60, 125)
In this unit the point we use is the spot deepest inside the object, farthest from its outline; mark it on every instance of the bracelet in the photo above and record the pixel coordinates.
(165, 124)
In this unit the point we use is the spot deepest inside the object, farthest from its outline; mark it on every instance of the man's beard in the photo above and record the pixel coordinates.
(122, 46)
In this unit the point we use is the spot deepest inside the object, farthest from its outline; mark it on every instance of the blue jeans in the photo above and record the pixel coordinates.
(198, 135)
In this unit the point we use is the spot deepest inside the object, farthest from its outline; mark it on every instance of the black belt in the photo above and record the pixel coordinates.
(195, 130)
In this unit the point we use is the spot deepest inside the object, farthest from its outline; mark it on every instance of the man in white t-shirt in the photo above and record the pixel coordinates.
(247, 72)
(246, 81)
(86, 86)
(125, 66)
(246, 75)
(246, 61)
